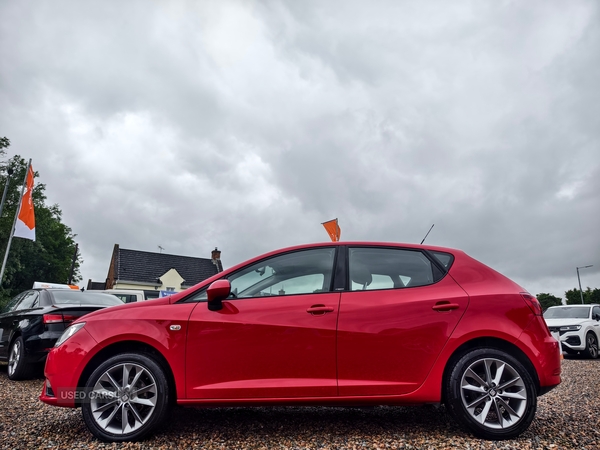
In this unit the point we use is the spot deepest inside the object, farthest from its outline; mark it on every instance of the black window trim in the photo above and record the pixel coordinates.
(425, 252)
(190, 298)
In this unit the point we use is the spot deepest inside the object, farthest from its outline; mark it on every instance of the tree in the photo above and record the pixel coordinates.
(589, 296)
(50, 256)
(595, 296)
(548, 300)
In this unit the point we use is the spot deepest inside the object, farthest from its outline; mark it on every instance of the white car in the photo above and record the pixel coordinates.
(126, 295)
(578, 327)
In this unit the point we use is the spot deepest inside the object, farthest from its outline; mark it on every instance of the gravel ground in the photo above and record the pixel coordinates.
(567, 418)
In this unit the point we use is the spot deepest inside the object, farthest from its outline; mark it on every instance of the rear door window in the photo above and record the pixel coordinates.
(30, 300)
(12, 305)
(388, 268)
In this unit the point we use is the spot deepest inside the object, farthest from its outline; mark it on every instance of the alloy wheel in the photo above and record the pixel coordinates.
(14, 358)
(493, 393)
(123, 398)
(592, 345)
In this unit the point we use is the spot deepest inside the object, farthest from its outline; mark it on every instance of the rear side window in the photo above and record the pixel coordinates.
(446, 259)
(387, 268)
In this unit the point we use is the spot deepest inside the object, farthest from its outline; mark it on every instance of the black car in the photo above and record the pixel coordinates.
(33, 321)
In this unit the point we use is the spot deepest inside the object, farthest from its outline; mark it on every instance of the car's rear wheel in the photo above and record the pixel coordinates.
(18, 369)
(127, 396)
(491, 393)
(591, 345)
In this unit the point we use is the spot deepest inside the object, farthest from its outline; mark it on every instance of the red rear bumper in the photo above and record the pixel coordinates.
(546, 357)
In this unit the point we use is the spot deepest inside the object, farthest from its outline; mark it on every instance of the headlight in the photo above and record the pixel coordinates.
(68, 333)
(571, 328)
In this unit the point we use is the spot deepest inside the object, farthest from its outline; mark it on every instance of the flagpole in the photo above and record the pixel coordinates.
(14, 224)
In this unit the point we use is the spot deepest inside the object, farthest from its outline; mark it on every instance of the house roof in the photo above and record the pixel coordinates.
(147, 267)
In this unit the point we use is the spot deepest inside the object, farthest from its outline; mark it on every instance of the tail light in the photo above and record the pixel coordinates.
(533, 303)
(59, 318)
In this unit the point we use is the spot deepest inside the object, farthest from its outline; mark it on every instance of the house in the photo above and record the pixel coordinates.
(156, 272)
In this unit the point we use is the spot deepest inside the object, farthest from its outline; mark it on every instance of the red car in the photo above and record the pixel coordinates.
(345, 323)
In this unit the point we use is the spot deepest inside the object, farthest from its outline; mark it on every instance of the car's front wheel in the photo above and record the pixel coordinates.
(491, 393)
(126, 397)
(591, 345)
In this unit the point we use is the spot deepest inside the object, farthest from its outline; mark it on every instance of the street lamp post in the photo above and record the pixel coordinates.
(579, 280)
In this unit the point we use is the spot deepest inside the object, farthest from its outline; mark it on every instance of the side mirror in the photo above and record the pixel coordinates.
(216, 293)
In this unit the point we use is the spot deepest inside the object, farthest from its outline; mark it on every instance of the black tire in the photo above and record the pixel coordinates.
(491, 394)
(591, 345)
(18, 369)
(127, 388)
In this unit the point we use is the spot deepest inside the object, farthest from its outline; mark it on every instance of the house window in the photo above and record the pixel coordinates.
(172, 289)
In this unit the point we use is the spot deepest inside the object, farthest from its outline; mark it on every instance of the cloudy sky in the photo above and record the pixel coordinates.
(243, 125)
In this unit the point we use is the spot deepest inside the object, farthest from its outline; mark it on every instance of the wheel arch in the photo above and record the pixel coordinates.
(14, 335)
(129, 347)
(489, 342)
(594, 331)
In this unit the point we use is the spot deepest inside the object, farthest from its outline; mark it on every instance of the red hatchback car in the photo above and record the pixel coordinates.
(346, 323)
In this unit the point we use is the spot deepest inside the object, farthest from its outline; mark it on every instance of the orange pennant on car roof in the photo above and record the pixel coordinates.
(333, 229)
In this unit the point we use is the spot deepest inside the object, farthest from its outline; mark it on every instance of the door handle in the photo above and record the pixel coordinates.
(445, 306)
(317, 310)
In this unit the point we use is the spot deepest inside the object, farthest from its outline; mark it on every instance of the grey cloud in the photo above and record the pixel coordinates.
(243, 125)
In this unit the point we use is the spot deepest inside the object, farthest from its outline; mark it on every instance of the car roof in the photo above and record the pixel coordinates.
(578, 304)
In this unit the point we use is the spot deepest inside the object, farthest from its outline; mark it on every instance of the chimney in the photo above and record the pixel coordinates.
(215, 256)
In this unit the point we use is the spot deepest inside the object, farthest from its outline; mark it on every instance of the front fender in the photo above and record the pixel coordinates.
(163, 327)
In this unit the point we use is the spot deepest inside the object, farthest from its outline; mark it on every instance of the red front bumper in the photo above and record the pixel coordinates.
(63, 370)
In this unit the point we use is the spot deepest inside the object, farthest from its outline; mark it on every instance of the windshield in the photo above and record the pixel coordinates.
(71, 297)
(568, 312)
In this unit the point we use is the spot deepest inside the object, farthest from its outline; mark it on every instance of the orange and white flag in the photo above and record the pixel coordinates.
(25, 226)
(333, 229)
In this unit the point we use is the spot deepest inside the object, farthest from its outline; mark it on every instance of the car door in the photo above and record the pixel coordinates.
(275, 336)
(10, 318)
(596, 320)
(396, 316)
